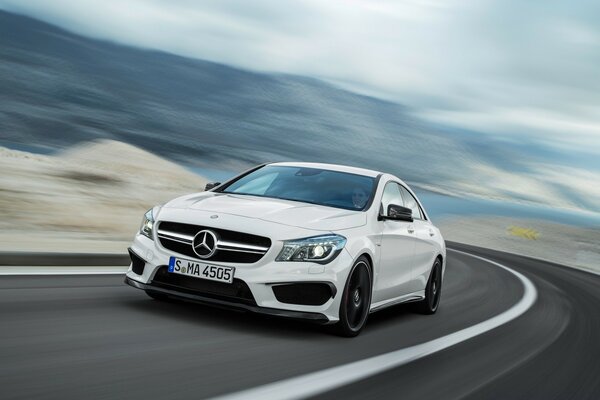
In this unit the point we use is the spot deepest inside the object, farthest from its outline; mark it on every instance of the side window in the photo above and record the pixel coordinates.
(391, 195)
(411, 202)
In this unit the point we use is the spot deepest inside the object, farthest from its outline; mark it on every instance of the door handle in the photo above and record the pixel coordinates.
(431, 232)
(411, 229)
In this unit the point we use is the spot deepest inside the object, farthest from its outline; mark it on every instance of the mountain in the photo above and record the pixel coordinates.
(59, 89)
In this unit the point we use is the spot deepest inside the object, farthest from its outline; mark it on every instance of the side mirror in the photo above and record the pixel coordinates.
(211, 185)
(398, 213)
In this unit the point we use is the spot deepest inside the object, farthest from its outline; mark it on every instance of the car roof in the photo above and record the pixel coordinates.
(330, 167)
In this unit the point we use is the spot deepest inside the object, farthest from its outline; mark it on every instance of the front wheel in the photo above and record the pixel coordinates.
(433, 290)
(356, 299)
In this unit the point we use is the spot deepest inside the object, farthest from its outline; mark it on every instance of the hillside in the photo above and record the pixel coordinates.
(90, 198)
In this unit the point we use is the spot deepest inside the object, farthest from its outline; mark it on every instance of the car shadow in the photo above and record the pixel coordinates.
(255, 323)
(226, 318)
(394, 314)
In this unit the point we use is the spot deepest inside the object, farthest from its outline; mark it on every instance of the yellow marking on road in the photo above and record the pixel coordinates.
(525, 233)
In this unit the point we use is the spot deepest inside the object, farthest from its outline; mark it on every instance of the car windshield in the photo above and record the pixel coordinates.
(309, 185)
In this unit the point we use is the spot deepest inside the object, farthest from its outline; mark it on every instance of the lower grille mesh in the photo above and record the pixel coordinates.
(237, 291)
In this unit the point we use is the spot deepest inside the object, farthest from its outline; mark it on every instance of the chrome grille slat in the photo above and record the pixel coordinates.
(221, 248)
(175, 236)
(174, 240)
(235, 246)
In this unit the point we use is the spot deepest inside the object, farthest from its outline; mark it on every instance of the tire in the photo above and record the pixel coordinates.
(157, 296)
(356, 299)
(433, 291)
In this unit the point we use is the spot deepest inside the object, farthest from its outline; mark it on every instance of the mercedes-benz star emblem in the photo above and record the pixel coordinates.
(205, 244)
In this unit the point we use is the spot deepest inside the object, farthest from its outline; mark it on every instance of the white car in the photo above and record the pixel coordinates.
(319, 242)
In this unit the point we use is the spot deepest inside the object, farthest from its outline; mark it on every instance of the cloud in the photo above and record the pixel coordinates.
(493, 65)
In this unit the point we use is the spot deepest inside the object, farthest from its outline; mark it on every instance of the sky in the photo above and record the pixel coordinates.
(506, 68)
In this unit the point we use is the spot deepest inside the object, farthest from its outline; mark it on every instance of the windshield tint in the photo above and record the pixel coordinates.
(310, 185)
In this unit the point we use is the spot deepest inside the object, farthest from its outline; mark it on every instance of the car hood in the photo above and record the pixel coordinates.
(285, 212)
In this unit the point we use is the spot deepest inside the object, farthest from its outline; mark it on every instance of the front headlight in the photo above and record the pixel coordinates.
(147, 223)
(320, 249)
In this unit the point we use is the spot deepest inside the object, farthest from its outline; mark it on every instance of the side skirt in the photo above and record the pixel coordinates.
(407, 298)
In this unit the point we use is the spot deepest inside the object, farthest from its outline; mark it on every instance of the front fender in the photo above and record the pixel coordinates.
(367, 245)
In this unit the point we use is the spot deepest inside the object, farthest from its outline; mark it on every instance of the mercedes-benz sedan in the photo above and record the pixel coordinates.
(319, 242)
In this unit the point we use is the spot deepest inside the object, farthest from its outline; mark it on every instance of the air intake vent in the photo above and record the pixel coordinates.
(137, 264)
(304, 293)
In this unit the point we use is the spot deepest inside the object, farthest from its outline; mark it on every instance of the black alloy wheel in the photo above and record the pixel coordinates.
(433, 290)
(356, 299)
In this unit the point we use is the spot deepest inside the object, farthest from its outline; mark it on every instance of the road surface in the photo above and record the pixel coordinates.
(93, 337)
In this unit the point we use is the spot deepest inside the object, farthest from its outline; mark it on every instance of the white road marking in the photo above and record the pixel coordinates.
(319, 382)
(62, 270)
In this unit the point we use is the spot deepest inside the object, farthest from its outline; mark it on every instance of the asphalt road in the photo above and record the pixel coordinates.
(94, 337)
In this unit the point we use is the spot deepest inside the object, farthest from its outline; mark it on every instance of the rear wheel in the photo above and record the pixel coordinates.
(433, 290)
(356, 299)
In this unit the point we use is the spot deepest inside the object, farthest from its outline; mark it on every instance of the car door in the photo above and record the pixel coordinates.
(396, 252)
(425, 245)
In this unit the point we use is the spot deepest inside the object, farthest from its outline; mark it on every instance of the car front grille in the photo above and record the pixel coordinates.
(237, 291)
(231, 246)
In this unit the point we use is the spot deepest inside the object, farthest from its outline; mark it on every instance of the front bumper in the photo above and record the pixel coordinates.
(198, 298)
(261, 278)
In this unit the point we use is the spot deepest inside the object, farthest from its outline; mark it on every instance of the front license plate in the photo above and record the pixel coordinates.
(201, 270)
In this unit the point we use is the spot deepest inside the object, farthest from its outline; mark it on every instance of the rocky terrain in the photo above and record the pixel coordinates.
(89, 198)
